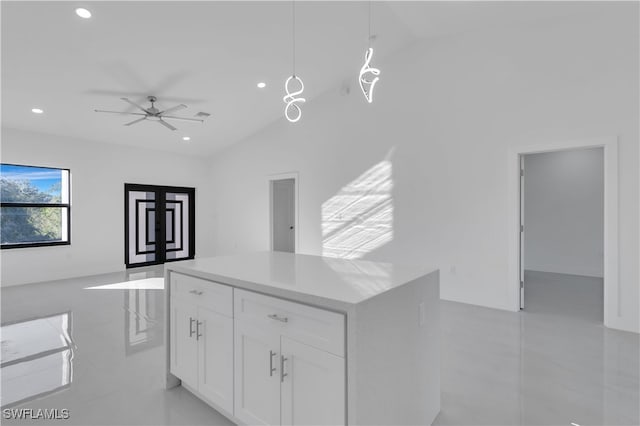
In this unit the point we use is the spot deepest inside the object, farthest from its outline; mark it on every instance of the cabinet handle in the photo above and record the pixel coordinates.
(282, 373)
(277, 318)
(196, 292)
(198, 335)
(191, 321)
(271, 367)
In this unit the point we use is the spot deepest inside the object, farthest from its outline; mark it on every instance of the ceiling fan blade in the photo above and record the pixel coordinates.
(134, 104)
(173, 109)
(171, 117)
(136, 121)
(120, 112)
(167, 125)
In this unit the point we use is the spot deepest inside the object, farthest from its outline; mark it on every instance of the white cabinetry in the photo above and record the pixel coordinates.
(276, 338)
(313, 390)
(285, 372)
(257, 380)
(184, 345)
(201, 333)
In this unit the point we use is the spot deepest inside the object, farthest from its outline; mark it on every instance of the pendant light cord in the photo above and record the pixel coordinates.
(370, 14)
(293, 34)
(369, 39)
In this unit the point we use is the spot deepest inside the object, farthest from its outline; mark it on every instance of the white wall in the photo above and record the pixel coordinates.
(446, 114)
(564, 212)
(98, 174)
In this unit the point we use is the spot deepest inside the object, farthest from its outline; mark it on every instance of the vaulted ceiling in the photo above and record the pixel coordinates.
(208, 55)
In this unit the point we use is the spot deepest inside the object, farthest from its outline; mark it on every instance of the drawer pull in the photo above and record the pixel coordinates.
(271, 367)
(196, 292)
(198, 335)
(282, 373)
(191, 321)
(277, 318)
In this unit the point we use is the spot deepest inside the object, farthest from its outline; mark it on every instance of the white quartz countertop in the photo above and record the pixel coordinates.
(330, 282)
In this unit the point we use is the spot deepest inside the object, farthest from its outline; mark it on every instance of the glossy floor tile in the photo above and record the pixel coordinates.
(554, 363)
(94, 346)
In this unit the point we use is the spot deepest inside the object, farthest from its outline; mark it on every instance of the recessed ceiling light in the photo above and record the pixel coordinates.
(186, 138)
(83, 13)
(262, 85)
(37, 110)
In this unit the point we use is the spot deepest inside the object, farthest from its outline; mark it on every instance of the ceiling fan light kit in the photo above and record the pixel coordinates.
(154, 114)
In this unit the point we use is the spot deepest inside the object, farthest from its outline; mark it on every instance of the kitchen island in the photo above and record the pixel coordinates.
(280, 338)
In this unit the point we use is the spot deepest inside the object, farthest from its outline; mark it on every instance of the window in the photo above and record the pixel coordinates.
(35, 207)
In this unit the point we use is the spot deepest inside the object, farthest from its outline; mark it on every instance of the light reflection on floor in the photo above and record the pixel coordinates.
(36, 357)
(145, 284)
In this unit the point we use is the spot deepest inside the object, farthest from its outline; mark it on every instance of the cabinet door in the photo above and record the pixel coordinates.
(257, 379)
(313, 389)
(184, 347)
(215, 357)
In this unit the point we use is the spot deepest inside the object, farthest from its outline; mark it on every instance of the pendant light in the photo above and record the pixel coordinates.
(368, 75)
(292, 110)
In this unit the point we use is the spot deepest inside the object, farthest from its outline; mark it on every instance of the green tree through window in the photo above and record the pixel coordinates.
(35, 206)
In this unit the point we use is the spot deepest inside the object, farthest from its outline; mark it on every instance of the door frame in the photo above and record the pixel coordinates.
(160, 191)
(611, 285)
(270, 180)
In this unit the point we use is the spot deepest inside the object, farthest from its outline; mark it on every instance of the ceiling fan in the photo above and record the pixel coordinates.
(154, 114)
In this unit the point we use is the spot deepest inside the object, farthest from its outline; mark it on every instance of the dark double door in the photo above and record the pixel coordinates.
(159, 224)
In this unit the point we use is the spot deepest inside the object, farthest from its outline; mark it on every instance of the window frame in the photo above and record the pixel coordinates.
(66, 205)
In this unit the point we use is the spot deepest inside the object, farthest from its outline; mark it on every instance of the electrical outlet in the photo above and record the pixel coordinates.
(453, 269)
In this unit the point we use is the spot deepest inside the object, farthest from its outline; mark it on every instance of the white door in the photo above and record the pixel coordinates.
(313, 386)
(257, 380)
(215, 359)
(184, 347)
(521, 261)
(283, 215)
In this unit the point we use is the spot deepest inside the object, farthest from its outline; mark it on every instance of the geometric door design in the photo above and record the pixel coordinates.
(159, 224)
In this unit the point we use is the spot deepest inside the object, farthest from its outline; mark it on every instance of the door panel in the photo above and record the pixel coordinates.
(177, 225)
(141, 234)
(283, 215)
(184, 346)
(257, 384)
(521, 259)
(313, 389)
(215, 360)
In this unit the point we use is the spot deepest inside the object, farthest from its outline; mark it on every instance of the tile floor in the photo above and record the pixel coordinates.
(99, 354)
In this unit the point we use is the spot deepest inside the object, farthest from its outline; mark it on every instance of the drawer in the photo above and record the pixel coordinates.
(312, 326)
(208, 294)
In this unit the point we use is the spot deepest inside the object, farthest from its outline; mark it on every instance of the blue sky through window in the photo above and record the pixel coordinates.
(41, 177)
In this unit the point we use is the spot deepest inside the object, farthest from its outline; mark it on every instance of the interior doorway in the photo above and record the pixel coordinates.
(283, 212)
(612, 295)
(562, 232)
(159, 224)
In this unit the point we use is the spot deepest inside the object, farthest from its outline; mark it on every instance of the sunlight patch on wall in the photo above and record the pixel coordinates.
(359, 218)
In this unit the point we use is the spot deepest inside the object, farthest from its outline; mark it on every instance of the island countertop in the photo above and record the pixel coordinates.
(329, 282)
